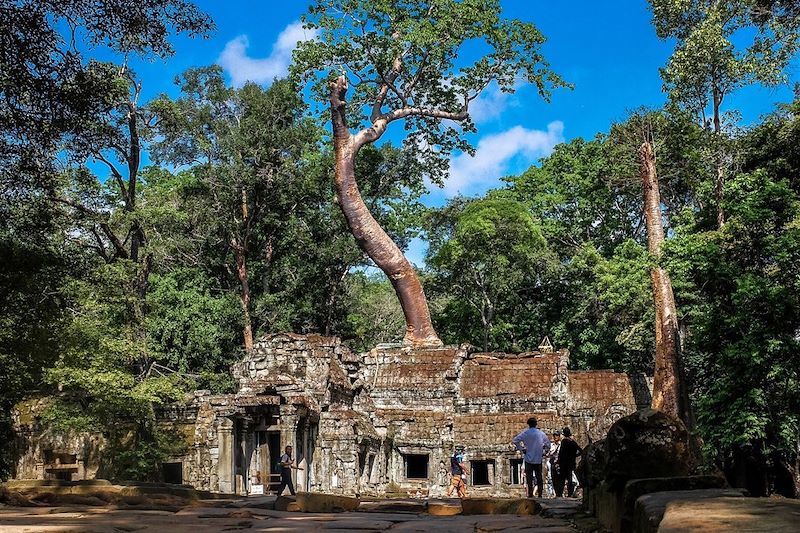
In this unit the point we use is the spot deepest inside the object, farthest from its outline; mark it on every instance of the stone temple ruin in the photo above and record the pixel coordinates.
(380, 423)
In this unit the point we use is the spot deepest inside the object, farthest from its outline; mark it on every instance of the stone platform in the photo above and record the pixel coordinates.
(256, 514)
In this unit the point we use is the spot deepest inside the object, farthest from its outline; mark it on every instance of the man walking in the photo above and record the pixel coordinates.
(286, 464)
(533, 442)
(457, 470)
(567, 457)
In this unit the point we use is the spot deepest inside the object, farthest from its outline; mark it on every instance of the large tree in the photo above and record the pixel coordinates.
(402, 60)
(493, 256)
(708, 65)
(245, 149)
(48, 90)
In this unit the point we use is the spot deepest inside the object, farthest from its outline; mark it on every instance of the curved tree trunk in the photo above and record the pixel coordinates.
(369, 235)
(669, 387)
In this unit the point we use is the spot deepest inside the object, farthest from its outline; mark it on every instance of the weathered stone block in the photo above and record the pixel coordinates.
(316, 502)
(636, 488)
(518, 506)
(646, 444)
(608, 506)
(286, 503)
(700, 510)
(444, 508)
(592, 470)
(392, 506)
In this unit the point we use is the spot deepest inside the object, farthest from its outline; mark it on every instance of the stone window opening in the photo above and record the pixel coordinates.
(482, 472)
(416, 466)
(517, 472)
(173, 473)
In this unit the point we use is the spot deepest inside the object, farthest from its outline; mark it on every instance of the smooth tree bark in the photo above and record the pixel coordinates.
(369, 235)
(404, 62)
(669, 386)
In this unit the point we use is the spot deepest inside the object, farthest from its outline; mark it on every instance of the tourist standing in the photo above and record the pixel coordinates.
(567, 457)
(458, 469)
(550, 463)
(286, 464)
(533, 442)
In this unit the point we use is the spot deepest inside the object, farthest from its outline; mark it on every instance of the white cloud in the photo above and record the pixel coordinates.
(495, 154)
(242, 68)
(492, 102)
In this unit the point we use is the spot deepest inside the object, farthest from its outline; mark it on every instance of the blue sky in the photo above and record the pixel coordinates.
(608, 50)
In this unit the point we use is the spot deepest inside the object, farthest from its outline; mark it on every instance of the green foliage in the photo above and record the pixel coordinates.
(365, 40)
(706, 64)
(741, 297)
(374, 314)
(139, 455)
(192, 322)
(579, 196)
(493, 253)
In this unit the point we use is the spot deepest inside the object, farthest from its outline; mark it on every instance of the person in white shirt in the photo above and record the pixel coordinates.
(549, 463)
(533, 442)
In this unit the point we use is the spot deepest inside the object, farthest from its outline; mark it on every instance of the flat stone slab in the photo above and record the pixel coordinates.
(317, 502)
(650, 508)
(214, 519)
(560, 507)
(392, 506)
(518, 506)
(731, 514)
(444, 507)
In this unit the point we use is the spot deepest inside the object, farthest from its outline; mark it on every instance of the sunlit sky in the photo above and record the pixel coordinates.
(608, 50)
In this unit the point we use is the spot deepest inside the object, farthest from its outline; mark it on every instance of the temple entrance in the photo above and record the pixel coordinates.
(269, 446)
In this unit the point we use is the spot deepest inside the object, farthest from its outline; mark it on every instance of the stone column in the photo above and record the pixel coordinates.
(303, 476)
(241, 448)
(226, 455)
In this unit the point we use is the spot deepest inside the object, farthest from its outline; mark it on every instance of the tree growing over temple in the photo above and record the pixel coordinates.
(401, 60)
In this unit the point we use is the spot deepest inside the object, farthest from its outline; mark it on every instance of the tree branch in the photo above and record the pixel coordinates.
(118, 246)
(114, 172)
(101, 247)
(374, 132)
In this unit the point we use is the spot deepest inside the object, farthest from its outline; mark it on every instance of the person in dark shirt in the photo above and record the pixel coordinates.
(457, 471)
(567, 456)
(286, 464)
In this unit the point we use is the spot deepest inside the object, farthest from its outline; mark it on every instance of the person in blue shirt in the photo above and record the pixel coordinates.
(533, 442)
(457, 472)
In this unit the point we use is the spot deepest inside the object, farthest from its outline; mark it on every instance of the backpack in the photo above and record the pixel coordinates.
(455, 467)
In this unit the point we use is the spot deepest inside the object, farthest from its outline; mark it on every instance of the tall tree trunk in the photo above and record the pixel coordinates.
(244, 294)
(669, 388)
(369, 235)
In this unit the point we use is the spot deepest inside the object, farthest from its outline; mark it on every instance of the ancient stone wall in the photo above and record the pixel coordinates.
(386, 420)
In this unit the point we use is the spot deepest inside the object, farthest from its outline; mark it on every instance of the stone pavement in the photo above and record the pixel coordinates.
(233, 516)
(735, 515)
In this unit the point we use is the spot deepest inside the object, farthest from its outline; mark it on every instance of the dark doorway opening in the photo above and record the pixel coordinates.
(274, 446)
(416, 466)
(173, 473)
(517, 472)
(63, 475)
(480, 472)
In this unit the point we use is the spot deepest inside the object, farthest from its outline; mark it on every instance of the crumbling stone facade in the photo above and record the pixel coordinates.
(381, 422)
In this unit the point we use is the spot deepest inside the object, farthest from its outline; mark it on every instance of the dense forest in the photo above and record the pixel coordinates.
(125, 284)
